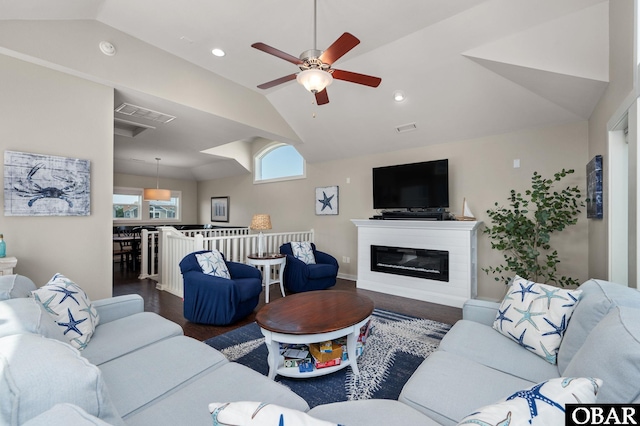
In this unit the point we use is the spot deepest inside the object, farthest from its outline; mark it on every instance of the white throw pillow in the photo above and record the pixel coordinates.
(260, 413)
(36, 373)
(70, 307)
(536, 316)
(304, 252)
(540, 405)
(212, 263)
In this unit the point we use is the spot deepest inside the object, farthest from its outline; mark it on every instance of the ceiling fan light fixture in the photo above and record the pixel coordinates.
(314, 80)
(398, 96)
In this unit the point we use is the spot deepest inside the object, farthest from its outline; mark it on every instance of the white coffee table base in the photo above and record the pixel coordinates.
(276, 361)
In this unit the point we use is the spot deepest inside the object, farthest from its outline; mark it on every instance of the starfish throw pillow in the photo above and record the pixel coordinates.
(536, 316)
(212, 263)
(304, 252)
(71, 309)
(540, 405)
(260, 413)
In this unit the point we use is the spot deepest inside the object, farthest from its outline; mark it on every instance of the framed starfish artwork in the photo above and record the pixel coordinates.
(327, 200)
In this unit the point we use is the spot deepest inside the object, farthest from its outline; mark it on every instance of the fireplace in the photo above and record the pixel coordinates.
(457, 237)
(412, 262)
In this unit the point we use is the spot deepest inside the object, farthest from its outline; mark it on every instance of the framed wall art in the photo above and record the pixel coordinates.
(327, 200)
(219, 209)
(594, 188)
(46, 185)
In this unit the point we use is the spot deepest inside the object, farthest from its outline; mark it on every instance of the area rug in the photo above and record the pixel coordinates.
(396, 346)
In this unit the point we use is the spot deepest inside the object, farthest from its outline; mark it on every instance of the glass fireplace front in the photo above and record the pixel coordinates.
(419, 263)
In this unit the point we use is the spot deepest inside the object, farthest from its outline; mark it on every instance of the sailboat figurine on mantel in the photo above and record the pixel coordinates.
(466, 212)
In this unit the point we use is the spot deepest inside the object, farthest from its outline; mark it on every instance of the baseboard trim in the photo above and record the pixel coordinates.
(348, 277)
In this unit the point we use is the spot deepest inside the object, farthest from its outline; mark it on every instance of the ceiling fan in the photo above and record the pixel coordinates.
(316, 72)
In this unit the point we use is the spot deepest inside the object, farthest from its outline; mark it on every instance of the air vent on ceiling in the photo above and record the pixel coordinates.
(149, 114)
(406, 128)
(128, 128)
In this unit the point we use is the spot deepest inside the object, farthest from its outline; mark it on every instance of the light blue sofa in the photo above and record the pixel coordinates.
(476, 366)
(137, 369)
(152, 374)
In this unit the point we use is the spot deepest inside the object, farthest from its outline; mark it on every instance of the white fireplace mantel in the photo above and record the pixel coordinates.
(459, 238)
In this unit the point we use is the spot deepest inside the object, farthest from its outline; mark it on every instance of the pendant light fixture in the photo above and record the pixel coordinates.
(157, 194)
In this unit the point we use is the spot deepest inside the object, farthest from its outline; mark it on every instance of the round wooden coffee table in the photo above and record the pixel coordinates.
(312, 317)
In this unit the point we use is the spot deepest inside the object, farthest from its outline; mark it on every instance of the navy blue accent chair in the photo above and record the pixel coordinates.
(219, 301)
(299, 277)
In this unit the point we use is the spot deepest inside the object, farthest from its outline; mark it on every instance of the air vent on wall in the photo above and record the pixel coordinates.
(137, 111)
(128, 128)
(406, 128)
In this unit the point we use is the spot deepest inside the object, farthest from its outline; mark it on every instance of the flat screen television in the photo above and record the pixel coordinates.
(412, 186)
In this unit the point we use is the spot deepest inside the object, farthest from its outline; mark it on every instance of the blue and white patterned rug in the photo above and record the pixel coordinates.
(395, 348)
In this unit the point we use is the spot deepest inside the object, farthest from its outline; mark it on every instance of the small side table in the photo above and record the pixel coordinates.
(7, 264)
(268, 260)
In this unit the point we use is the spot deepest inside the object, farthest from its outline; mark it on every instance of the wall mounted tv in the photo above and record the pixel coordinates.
(412, 186)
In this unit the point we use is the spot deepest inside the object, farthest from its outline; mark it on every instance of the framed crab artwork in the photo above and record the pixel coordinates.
(46, 185)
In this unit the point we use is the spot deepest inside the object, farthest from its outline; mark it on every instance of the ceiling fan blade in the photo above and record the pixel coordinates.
(275, 52)
(277, 81)
(339, 48)
(322, 97)
(354, 77)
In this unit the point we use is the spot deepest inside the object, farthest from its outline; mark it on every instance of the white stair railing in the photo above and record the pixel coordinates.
(148, 254)
(174, 246)
(150, 261)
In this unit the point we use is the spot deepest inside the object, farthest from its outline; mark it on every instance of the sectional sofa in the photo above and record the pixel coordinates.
(475, 366)
(139, 369)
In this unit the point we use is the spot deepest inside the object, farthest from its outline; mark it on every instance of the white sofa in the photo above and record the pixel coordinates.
(141, 370)
(475, 366)
(137, 369)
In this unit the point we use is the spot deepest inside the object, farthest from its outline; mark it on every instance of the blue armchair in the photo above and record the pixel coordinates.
(299, 277)
(219, 301)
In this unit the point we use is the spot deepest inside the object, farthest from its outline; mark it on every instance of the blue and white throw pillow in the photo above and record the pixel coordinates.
(71, 309)
(212, 263)
(304, 252)
(536, 316)
(540, 405)
(260, 413)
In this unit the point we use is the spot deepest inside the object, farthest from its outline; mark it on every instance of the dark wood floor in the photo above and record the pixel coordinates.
(169, 306)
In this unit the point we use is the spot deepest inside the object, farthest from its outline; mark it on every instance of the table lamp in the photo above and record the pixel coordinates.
(260, 222)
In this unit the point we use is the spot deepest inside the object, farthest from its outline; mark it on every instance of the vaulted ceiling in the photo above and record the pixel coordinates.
(469, 68)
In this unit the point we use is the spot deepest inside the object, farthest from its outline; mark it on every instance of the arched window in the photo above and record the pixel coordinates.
(278, 161)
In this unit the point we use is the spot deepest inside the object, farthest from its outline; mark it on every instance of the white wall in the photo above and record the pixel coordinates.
(48, 112)
(480, 170)
(621, 45)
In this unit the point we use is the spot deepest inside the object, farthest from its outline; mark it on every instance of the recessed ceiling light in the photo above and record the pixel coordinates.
(398, 96)
(217, 52)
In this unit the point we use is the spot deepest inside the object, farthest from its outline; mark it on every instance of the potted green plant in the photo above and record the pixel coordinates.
(522, 231)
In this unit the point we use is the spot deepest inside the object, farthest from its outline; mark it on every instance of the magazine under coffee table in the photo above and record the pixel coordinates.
(312, 317)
